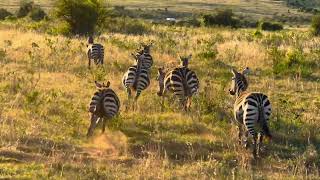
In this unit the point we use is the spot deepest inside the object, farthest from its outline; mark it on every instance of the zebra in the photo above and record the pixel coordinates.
(145, 56)
(136, 78)
(182, 81)
(95, 52)
(251, 111)
(104, 105)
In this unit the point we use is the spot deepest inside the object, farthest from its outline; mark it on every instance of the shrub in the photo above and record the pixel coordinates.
(82, 16)
(127, 26)
(191, 22)
(4, 13)
(315, 25)
(25, 8)
(290, 63)
(270, 26)
(221, 18)
(37, 14)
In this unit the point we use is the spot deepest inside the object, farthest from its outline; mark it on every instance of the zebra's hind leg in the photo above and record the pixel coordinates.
(246, 143)
(254, 152)
(240, 131)
(104, 121)
(259, 144)
(94, 122)
(89, 63)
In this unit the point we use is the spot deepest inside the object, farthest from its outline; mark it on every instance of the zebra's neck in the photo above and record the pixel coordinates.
(241, 87)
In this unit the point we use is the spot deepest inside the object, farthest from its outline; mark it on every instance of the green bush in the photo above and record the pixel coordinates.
(127, 26)
(37, 14)
(271, 26)
(221, 18)
(4, 13)
(292, 63)
(315, 25)
(191, 22)
(82, 16)
(25, 8)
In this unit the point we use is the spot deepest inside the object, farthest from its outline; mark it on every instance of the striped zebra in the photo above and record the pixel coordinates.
(182, 81)
(251, 111)
(104, 105)
(136, 79)
(145, 56)
(95, 52)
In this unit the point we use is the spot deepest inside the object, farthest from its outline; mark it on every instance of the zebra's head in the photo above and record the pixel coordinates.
(90, 40)
(160, 79)
(147, 48)
(239, 81)
(102, 86)
(185, 60)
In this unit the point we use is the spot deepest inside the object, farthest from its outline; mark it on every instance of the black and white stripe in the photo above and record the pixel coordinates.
(145, 56)
(104, 105)
(182, 81)
(136, 78)
(95, 52)
(251, 111)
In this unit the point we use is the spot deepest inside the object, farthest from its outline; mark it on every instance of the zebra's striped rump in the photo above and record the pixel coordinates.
(104, 104)
(256, 113)
(182, 81)
(96, 52)
(136, 79)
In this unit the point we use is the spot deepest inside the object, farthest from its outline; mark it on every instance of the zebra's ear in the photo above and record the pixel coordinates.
(108, 84)
(98, 85)
(234, 72)
(246, 71)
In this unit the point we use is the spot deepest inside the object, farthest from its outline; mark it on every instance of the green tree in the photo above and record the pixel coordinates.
(315, 25)
(82, 16)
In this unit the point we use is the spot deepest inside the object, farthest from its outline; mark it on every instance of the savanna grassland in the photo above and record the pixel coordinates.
(46, 87)
(45, 93)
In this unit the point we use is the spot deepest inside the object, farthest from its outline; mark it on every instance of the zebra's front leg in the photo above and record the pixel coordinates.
(93, 124)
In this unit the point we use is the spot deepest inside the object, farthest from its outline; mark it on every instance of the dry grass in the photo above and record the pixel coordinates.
(44, 97)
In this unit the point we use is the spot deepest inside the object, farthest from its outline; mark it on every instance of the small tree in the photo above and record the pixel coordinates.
(315, 25)
(25, 7)
(270, 26)
(4, 13)
(37, 13)
(221, 18)
(82, 16)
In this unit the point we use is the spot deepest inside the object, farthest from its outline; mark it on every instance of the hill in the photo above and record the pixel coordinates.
(45, 91)
(248, 9)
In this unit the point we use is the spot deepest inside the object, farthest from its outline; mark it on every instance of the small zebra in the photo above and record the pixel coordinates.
(145, 56)
(251, 111)
(182, 81)
(104, 105)
(95, 52)
(136, 78)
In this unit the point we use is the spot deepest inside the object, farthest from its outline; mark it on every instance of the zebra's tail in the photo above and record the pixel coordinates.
(264, 124)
